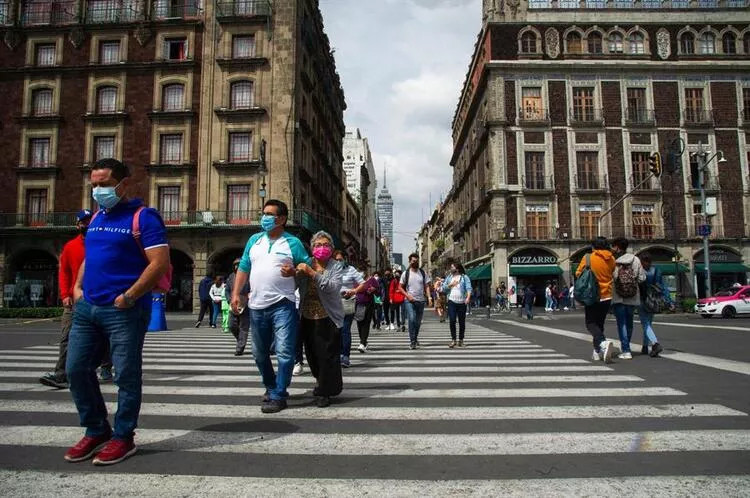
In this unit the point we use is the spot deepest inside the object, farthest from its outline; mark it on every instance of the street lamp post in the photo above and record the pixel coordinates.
(702, 156)
(263, 171)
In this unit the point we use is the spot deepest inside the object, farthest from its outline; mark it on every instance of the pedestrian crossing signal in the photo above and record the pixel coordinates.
(654, 164)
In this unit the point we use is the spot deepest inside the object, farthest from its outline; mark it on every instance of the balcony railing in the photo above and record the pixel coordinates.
(49, 13)
(242, 8)
(37, 220)
(717, 231)
(177, 10)
(586, 180)
(112, 14)
(530, 116)
(638, 116)
(710, 183)
(638, 4)
(538, 183)
(645, 232)
(637, 183)
(538, 232)
(586, 116)
(697, 117)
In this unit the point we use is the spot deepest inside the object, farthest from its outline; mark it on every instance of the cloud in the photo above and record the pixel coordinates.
(402, 65)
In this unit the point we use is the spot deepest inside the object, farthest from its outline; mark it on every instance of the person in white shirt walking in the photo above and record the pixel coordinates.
(415, 285)
(215, 292)
(457, 286)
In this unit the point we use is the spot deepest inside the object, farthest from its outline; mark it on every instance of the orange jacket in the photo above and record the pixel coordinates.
(603, 266)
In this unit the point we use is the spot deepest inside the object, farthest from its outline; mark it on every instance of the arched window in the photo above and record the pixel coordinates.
(594, 41)
(242, 95)
(615, 43)
(637, 44)
(41, 102)
(729, 43)
(687, 43)
(707, 43)
(528, 43)
(106, 100)
(574, 43)
(173, 97)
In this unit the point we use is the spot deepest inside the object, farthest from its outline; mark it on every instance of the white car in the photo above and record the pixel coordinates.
(727, 303)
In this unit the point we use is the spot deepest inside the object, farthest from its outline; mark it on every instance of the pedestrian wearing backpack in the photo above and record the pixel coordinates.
(397, 303)
(415, 286)
(654, 284)
(628, 276)
(593, 288)
(112, 297)
(457, 286)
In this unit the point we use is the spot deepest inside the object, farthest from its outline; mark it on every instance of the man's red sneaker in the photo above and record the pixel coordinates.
(86, 447)
(116, 451)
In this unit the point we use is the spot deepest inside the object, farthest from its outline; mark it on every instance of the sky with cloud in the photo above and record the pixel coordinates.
(402, 64)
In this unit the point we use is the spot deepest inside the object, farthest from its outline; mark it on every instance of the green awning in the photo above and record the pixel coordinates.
(518, 270)
(668, 268)
(723, 268)
(481, 272)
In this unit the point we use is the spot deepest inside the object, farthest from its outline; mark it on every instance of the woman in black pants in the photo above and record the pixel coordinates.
(457, 286)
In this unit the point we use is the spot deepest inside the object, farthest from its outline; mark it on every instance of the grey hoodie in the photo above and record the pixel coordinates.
(640, 273)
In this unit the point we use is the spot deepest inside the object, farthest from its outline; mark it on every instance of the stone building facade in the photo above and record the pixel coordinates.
(213, 105)
(564, 103)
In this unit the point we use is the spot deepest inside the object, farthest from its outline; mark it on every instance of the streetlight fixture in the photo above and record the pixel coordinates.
(703, 160)
(262, 171)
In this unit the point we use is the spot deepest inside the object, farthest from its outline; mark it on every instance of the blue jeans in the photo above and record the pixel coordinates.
(217, 313)
(346, 335)
(275, 326)
(624, 316)
(124, 330)
(529, 310)
(649, 337)
(414, 312)
(548, 303)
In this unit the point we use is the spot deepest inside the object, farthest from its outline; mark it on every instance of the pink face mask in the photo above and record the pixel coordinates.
(322, 253)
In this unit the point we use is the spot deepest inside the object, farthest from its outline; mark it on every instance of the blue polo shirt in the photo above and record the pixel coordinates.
(114, 260)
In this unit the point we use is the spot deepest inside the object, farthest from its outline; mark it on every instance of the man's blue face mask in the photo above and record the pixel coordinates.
(106, 197)
(268, 222)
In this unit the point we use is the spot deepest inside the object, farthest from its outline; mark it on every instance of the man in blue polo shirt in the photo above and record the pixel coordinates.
(270, 258)
(112, 305)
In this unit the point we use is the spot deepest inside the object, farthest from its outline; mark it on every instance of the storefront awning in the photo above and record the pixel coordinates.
(481, 272)
(668, 268)
(723, 268)
(518, 270)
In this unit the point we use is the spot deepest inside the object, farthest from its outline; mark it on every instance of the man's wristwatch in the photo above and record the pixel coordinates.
(129, 301)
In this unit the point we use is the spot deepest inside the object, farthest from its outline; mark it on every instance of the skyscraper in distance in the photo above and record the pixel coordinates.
(385, 213)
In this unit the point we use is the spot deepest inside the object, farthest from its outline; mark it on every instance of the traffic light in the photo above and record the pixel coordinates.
(654, 164)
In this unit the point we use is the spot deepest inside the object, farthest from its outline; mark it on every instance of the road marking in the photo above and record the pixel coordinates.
(299, 443)
(696, 326)
(740, 367)
(402, 413)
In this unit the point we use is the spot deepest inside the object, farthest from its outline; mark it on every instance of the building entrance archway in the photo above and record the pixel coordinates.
(180, 295)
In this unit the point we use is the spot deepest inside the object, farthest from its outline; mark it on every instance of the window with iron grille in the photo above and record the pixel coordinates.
(173, 97)
(170, 149)
(169, 204)
(639, 161)
(587, 164)
(176, 49)
(106, 100)
(707, 43)
(238, 202)
(528, 43)
(583, 104)
(240, 147)
(41, 102)
(36, 206)
(729, 43)
(242, 95)
(243, 47)
(104, 147)
(643, 221)
(109, 52)
(637, 44)
(39, 150)
(537, 221)
(594, 41)
(46, 54)
(534, 169)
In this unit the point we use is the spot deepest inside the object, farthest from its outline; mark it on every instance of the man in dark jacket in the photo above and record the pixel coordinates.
(205, 299)
(239, 324)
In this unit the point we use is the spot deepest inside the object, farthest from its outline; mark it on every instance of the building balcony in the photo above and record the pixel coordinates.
(637, 4)
(37, 169)
(635, 116)
(158, 114)
(586, 116)
(694, 231)
(239, 63)
(242, 10)
(48, 13)
(710, 184)
(539, 232)
(640, 185)
(533, 117)
(40, 118)
(697, 117)
(240, 112)
(37, 220)
(171, 10)
(250, 166)
(105, 116)
(177, 168)
(538, 184)
(645, 232)
(591, 182)
(114, 14)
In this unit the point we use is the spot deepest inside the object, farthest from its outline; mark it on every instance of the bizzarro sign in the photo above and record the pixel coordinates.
(533, 257)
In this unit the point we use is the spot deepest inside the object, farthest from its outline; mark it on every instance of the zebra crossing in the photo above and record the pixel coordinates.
(503, 415)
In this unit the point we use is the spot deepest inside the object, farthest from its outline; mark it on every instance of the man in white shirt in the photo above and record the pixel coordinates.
(269, 259)
(415, 285)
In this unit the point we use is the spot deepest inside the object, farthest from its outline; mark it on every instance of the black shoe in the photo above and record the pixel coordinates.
(656, 349)
(197, 324)
(316, 391)
(644, 350)
(412, 346)
(266, 397)
(416, 344)
(49, 379)
(273, 406)
(403, 328)
(238, 353)
(324, 401)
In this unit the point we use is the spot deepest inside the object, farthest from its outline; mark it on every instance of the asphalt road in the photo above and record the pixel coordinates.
(521, 411)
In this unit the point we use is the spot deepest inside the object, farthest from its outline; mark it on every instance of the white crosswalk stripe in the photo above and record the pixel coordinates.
(501, 397)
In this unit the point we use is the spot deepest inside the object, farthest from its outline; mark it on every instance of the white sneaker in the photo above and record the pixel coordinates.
(362, 348)
(625, 356)
(606, 348)
(298, 369)
(596, 356)
(566, 308)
